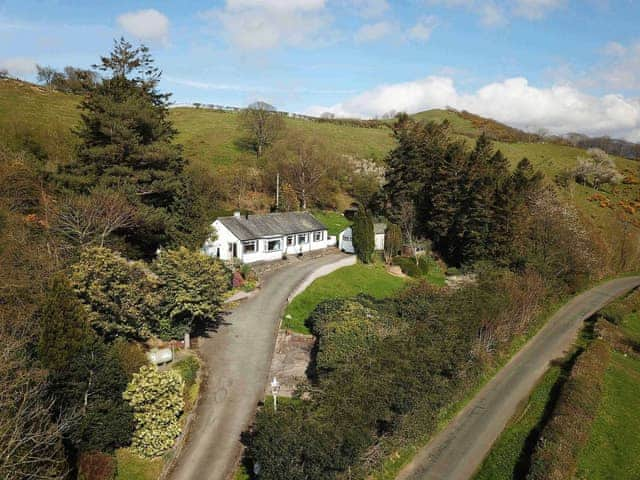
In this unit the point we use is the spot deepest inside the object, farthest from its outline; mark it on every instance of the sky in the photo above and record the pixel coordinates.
(561, 65)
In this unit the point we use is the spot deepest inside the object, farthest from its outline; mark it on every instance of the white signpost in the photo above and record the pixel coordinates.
(275, 388)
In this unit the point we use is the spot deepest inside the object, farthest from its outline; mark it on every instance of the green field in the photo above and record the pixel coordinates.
(507, 459)
(334, 221)
(35, 118)
(343, 283)
(133, 467)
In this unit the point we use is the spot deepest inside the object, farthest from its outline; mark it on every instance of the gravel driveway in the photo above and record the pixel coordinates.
(238, 357)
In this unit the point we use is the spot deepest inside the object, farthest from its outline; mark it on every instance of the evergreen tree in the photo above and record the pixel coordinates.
(126, 143)
(64, 325)
(363, 235)
(392, 242)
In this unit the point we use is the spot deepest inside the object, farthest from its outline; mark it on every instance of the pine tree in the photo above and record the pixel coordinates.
(126, 143)
(363, 235)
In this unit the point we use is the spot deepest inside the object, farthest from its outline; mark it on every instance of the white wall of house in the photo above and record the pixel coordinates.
(263, 249)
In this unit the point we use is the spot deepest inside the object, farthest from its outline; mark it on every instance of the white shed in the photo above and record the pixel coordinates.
(345, 239)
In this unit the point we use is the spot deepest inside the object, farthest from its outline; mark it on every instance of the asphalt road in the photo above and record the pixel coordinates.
(238, 357)
(457, 451)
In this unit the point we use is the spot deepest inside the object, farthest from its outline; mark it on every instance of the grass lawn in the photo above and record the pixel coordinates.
(345, 282)
(133, 467)
(335, 221)
(505, 461)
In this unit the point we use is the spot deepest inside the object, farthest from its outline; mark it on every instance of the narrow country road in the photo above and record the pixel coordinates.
(238, 357)
(457, 451)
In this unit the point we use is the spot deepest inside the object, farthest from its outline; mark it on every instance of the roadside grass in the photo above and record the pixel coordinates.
(335, 222)
(345, 282)
(613, 449)
(133, 467)
(506, 456)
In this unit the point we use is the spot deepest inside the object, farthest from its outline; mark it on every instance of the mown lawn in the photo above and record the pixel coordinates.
(343, 283)
(506, 460)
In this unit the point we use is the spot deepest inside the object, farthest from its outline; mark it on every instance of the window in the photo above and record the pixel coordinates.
(291, 240)
(273, 245)
(318, 236)
(250, 247)
(302, 238)
(346, 238)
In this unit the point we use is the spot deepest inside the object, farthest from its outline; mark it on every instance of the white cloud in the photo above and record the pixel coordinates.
(18, 66)
(614, 49)
(373, 31)
(266, 24)
(622, 69)
(514, 101)
(370, 8)
(147, 25)
(536, 9)
(423, 29)
(495, 13)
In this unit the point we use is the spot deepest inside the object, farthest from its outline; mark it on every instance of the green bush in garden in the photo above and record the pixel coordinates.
(157, 402)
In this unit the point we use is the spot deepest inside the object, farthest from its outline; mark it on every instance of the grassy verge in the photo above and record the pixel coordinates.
(133, 467)
(343, 283)
(508, 455)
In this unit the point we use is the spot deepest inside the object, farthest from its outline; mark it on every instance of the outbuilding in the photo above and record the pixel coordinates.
(259, 238)
(345, 239)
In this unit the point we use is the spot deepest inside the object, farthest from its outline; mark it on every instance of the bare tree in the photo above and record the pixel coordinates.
(90, 219)
(30, 442)
(262, 124)
(46, 75)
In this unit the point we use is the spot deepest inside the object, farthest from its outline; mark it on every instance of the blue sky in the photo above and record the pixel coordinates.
(565, 65)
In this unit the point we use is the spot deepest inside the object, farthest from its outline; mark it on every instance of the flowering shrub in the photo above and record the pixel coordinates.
(157, 402)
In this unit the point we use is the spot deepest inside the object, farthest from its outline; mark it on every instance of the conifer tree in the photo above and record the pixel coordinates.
(363, 235)
(126, 143)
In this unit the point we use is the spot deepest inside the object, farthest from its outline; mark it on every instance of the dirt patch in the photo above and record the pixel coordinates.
(290, 361)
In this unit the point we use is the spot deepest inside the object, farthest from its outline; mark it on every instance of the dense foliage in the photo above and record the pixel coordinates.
(156, 398)
(363, 236)
(191, 288)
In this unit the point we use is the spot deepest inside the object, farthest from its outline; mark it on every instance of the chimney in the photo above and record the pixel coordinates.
(236, 214)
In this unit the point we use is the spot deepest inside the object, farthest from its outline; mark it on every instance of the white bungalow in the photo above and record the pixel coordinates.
(345, 239)
(259, 238)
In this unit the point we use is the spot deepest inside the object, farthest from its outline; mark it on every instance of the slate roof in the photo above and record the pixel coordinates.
(271, 224)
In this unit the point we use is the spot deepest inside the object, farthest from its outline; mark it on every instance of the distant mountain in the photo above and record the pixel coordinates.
(613, 146)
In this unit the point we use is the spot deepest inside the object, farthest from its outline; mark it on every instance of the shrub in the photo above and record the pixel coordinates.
(188, 370)
(130, 355)
(408, 266)
(96, 466)
(363, 235)
(191, 288)
(157, 402)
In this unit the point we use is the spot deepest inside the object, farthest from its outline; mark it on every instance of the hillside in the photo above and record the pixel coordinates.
(40, 120)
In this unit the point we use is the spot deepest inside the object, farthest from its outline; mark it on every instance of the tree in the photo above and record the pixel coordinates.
(363, 235)
(156, 398)
(87, 220)
(191, 289)
(31, 430)
(288, 199)
(4, 73)
(597, 169)
(64, 325)
(126, 144)
(262, 125)
(46, 75)
(392, 242)
(121, 296)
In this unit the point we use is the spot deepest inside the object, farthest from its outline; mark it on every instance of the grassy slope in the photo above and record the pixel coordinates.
(345, 282)
(209, 139)
(613, 449)
(335, 222)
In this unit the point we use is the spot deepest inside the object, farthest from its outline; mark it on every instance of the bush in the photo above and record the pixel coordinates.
(188, 370)
(408, 266)
(96, 466)
(157, 402)
(130, 355)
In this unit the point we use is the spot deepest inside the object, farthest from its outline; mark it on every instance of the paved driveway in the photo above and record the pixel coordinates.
(457, 452)
(238, 357)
